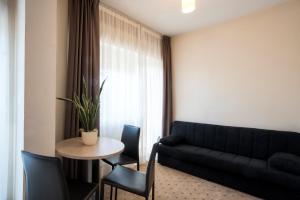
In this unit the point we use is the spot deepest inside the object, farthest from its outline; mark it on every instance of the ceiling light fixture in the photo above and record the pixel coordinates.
(188, 6)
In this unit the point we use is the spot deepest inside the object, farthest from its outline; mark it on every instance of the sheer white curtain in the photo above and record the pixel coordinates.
(130, 59)
(6, 162)
(11, 172)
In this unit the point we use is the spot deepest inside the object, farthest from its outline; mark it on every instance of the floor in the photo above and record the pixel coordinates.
(172, 184)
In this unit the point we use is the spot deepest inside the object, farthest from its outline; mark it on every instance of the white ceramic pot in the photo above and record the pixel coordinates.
(89, 138)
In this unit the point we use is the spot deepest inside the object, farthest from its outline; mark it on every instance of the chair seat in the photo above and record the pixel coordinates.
(128, 179)
(120, 160)
(80, 190)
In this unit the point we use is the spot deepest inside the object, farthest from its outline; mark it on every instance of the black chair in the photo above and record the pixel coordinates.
(130, 155)
(132, 181)
(45, 180)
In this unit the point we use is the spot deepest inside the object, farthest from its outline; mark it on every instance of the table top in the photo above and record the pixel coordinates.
(74, 148)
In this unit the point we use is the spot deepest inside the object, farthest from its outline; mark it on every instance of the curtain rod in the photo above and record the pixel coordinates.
(126, 16)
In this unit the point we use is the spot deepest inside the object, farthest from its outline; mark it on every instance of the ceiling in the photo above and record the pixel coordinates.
(165, 16)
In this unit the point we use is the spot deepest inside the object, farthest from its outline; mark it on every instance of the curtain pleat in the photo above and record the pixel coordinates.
(131, 60)
(167, 93)
(83, 61)
(7, 142)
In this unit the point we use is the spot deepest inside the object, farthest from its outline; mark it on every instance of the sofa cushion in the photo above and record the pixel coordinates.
(248, 167)
(285, 162)
(171, 140)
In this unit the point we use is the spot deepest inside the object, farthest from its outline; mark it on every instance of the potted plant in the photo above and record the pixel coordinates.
(87, 110)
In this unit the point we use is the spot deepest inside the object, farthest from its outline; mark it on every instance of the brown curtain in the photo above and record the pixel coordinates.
(83, 61)
(167, 85)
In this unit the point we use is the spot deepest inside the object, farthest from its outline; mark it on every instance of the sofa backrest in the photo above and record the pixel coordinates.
(250, 142)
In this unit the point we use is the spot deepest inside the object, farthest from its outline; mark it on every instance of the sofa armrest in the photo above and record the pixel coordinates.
(285, 162)
(171, 140)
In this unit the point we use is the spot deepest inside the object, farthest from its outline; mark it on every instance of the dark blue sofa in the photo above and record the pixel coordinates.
(264, 163)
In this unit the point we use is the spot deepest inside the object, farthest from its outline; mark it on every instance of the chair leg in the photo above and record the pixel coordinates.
(111, 187)
(116, 193)
(102, 192)
(110, 196)
(111, 191)
(97, 194)
(138, 166)
(153, 192)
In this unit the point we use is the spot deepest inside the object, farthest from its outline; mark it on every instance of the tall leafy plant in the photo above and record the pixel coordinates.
(87, 108)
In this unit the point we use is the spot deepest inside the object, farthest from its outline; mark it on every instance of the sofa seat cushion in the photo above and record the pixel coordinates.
(248, 167)
(285, 162)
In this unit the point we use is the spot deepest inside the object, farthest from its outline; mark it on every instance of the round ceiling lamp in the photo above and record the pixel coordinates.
(188, 6)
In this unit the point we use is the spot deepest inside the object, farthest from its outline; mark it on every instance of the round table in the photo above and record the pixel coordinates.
(73, 148)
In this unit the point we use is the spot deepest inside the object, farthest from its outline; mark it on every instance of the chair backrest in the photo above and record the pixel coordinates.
(44, 178)
(131, 138)
(150, 174)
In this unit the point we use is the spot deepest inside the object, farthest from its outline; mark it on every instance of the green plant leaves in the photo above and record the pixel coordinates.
(87, 108)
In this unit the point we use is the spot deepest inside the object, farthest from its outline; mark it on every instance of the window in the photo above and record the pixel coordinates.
(130, 59)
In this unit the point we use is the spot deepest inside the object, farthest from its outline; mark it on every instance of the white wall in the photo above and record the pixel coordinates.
(245, 72)
(44, 65)
(61, 66)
